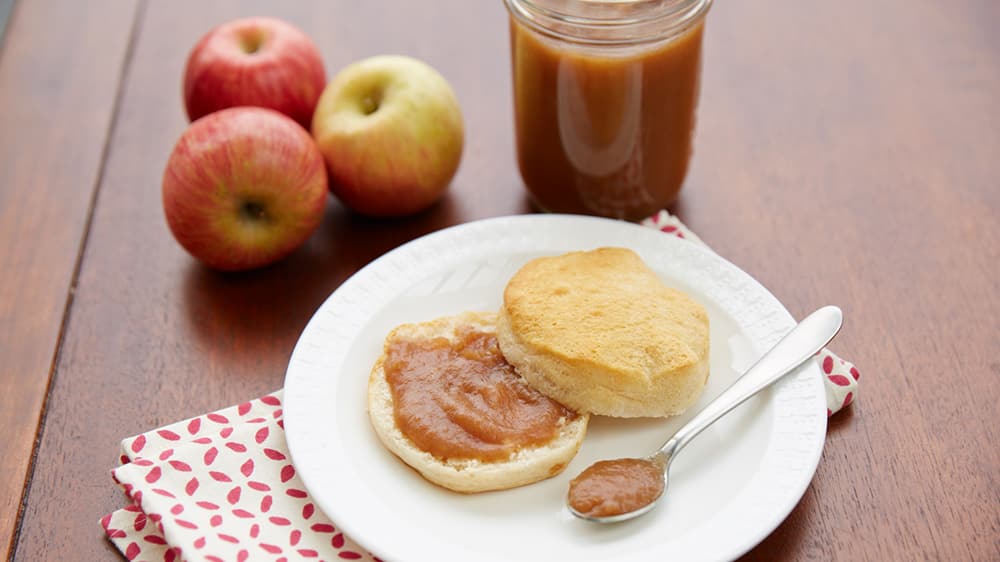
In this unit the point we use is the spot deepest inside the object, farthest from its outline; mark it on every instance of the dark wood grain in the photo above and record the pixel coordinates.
(847, 153)
(59, 70)
(153, 336)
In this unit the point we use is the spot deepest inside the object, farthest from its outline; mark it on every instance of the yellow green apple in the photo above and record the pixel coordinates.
(391, 132)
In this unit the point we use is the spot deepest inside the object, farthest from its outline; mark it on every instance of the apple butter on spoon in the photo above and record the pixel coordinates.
(610, 488)
(618, 490)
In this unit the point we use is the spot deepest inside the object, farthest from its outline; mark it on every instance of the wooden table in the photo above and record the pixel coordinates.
(847, 152)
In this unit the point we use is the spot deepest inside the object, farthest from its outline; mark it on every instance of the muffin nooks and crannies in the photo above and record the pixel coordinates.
(444, 400)
(599, 332)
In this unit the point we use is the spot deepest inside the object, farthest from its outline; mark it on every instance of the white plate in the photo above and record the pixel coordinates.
(728, 490)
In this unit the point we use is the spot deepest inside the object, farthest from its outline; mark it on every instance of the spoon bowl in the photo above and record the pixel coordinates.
(613, 491)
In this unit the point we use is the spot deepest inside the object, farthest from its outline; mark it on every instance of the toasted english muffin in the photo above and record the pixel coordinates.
(599, 332)
(524, 466)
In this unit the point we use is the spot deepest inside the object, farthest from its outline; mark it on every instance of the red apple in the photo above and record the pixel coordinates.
(244, 187)
(391, 132)
(264, 62)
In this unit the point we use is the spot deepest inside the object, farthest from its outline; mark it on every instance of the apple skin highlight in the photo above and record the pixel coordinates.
(391, 132)
(264, 62)
(243, 188)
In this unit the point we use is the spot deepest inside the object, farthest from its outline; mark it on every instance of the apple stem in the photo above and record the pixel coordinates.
(370, 103)
(252, 41)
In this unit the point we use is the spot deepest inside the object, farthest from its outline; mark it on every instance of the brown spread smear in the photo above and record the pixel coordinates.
(615, 487)
(460, 399)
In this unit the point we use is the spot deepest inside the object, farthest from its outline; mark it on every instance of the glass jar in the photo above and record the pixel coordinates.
(605, 94)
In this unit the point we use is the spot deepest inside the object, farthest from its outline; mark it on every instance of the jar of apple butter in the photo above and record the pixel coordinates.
(605, 93)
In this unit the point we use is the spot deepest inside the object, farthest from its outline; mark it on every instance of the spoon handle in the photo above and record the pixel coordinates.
(794, 349)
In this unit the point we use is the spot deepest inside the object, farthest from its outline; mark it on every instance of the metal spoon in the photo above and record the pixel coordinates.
(794, 349)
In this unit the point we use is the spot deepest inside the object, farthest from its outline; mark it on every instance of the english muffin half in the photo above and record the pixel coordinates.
(465, 427)
(599, 332)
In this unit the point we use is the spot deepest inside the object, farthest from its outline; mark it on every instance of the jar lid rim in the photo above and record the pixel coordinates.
(605, 22)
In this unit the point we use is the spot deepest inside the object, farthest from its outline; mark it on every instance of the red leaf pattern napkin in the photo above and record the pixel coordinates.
(221, 486)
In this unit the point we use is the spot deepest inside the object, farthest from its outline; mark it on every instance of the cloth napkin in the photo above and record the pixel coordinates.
(221, 487)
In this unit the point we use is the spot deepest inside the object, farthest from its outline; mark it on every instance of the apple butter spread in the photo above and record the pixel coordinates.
(458, 398)
(604, 123)
(608, 488)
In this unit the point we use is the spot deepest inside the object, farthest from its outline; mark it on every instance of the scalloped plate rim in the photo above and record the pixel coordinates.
(304, 384)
